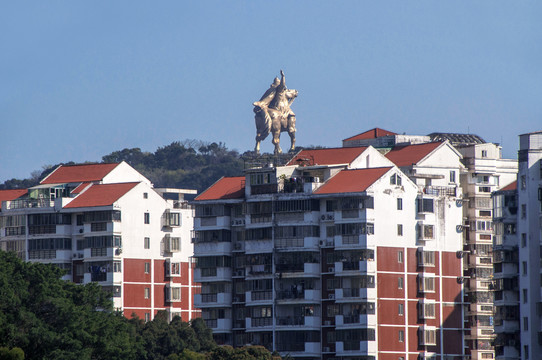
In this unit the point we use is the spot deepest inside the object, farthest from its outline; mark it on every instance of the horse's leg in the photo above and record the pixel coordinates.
(276, 141)
(257, 147)
(291, 131)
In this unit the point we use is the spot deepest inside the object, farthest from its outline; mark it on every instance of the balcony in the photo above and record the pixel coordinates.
(259, 270)
(219, 274)
(259, 324)
(259, 297)
(299, 349)
(293, 270)
(212, 248)
(219, 325)
(27, 203)
(349, 268)
(440, 190)
(293, 296)
(353, 348)
(258, 246)
(354, 294)
(307, 242)
(359, 320)
(211, 300)
(299, 321)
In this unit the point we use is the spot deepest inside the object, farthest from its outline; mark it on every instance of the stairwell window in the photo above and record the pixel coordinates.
(147, 243)
(147, 218)
(147, 293)
(147, 268)
(399, 229)
(399, 204)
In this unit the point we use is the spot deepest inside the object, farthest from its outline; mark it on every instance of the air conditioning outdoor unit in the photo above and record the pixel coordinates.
(331, 297)
(331, 269)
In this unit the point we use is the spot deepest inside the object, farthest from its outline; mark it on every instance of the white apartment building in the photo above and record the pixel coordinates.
(106, 223)
(529, 229)
(336, 255)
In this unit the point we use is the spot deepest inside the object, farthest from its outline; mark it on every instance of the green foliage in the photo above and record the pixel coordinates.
(11, 354)
(44, 317)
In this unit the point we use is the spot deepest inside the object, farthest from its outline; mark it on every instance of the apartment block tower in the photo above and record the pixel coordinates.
(484, 171)
(529, 229)
(106, 223)
(506, 272)
(336, 254)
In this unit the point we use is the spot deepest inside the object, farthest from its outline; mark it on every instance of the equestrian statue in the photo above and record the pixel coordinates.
(273, 114)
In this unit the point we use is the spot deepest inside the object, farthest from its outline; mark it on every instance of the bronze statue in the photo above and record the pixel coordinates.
(273, 114)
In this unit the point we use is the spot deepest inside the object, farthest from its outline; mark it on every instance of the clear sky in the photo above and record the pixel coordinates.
(81, 79)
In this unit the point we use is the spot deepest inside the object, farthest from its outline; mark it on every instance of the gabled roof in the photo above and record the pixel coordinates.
(371, 134)
(350, 181)
(411, 154)
(78, 173)
(328, 156)
(8, 195)
(225, 188)
(101, 195)
(80, 188)
(512, 186)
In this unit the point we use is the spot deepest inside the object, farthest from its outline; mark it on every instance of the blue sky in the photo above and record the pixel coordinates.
(80, 80)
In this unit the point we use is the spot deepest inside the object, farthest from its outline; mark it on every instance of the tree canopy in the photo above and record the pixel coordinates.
(44, 317)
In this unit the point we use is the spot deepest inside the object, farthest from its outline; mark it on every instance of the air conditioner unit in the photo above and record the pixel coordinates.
(330, 216)
(74, 255)
(331, 297)
(331, 269)
(322, 242)
(80, 231)
(326, 349)
(80, 256)
(323, 217)
(327, 322)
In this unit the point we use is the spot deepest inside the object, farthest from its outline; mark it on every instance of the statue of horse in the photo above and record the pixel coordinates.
(275, 120)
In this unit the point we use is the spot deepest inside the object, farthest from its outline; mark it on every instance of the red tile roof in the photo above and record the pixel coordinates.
(225, 188)
(371, 134)
(511, 186)
(78, 173)
(80, 188)
(348, 181)
(101, 195)
(411, 154)
(327, 156)
(8, 195)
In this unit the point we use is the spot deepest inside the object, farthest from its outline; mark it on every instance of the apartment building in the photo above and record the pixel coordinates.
(505, 272)
(106, 223)
(337, 254)
(529, 230)
(483, 172)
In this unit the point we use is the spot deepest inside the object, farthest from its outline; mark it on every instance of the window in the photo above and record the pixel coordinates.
(396, 180)
(79, 220)
(523, 182)
(401, 309)
(427, 336)
(523, 211)
(400, 283)
(145, 195)
(147, 218)
(147, 243)
(147, 317)
(174, 294)
(117, 267)
(426, 232)
(484, 153)
(399, 204)
(426, 310)
(426, 284)
(147, 293)
(524, 268)
(147, 268)
(523, 240)
(524, 296)
(425, 205)
(526, 324)
(401, 336)
(174, 269)
(400, 256)
(426, 258)
(399, 229)
(452, 176)
(526, 351)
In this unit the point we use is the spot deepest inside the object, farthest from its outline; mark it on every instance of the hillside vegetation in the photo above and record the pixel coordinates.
(44, 317)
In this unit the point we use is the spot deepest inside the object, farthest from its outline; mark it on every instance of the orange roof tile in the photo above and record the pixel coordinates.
(101, 195)
(80, 188)
(225, 188)
(410, 154)
(371, 134)
(78, 173)
(327, 156)
(512, 186)
(348, 181)
(8, 195)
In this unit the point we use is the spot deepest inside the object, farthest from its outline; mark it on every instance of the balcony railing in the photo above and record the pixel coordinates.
(29, 203)
(261, 295)
(291, 320)
(440, 190)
